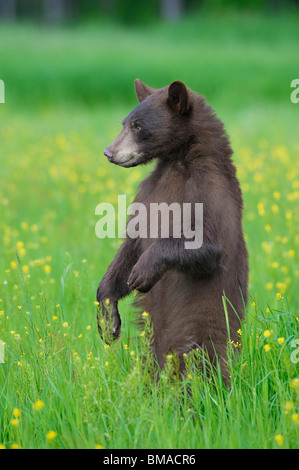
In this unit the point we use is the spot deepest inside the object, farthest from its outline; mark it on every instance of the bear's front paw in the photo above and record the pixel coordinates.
(109, 322)
(143, 277)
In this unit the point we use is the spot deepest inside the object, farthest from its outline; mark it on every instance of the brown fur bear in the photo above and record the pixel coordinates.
(182, 289)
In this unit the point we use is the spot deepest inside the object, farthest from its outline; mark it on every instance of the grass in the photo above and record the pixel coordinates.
(66, 94)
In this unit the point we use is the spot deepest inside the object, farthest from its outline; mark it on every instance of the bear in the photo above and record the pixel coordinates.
(181, 289)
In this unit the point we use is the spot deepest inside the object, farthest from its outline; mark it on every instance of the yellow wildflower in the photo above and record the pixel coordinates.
(47, 269)
(288, 406)
(295, 383)
(268, 228)
(38, 405)
(279, 439)
(261, 209)
(16, 412)
(267, 333)
(51, 435)
(14, 446)
(34, 228)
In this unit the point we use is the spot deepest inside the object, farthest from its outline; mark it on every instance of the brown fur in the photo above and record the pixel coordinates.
(182, 289)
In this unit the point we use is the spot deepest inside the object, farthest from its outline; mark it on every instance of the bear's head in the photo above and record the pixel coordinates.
(159, 127)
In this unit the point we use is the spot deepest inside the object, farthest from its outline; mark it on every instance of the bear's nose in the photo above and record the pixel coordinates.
(108, 154)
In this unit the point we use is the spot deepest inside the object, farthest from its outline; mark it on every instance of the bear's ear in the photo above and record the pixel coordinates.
(142, 90)
(178, 97)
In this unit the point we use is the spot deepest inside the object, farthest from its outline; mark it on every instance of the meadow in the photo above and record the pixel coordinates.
(67, 91)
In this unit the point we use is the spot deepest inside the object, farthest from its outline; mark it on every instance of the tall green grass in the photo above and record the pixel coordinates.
(98, 396)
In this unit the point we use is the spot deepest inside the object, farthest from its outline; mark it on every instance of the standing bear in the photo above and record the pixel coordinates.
(181, 288)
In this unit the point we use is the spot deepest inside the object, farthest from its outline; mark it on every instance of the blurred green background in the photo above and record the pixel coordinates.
(69, 69)
(89, 53)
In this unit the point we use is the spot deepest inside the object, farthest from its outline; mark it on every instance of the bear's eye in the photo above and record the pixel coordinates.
(137, 127)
